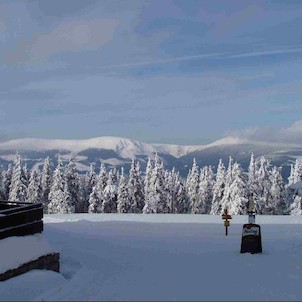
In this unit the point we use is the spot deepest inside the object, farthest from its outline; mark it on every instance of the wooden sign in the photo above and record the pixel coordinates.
(226, 216)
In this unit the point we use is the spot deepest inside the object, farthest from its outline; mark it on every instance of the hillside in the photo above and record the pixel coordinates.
(116, 151)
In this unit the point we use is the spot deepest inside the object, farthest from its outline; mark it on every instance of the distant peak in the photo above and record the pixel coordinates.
(230, 140)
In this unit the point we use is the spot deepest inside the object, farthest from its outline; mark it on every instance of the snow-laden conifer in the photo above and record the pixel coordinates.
(192, 186)
(135, 189)
(291, 175)
(73, 186)
(253, 189)
(238, 199)
(2, 187)
(218, 189)
(277, 204)
(227, 189)
(123, 202)
(59, 197)
(109, 204)
(205, 192)
(18, 188)
(170, 189)
(297, 171)
(93, 201)
(88, 183)
(101, 185)
(296, 206)
(34, 189)
(264, 181)
(26, 172)
(46, 182)
(181, 204)
(147, 183)
(156, 201)
(7, 179)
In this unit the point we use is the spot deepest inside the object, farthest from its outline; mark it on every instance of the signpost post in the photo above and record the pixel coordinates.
(226, 218)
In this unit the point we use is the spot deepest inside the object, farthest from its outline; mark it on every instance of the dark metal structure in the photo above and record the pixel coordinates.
(20, 218)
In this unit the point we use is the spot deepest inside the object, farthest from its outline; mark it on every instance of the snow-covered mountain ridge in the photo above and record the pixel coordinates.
(126, 148)
(118, 151)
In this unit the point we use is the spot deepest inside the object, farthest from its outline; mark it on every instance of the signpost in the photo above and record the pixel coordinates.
(226, 218)
(251, 232)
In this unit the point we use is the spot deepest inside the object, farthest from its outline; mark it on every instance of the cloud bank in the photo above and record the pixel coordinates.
(71, 36)
(285, 135)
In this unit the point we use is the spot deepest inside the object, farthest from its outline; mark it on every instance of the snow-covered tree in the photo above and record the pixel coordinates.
(205, 193)
(297, 171)
(7, 179)
(101, 185)
(18, 188)
(291, 175)
(156, 200)
(253, 189)
(59, 197)
(229, 178)
(73, 186)
(295, 199)
(277, 204)
(26, 174)
(192, 186)
(147, 182)
(135, 189)
(123, 202)
(34, 189)
(181, 204)
(170, 190)
(2, 187)
(88, 183)
(46, 182)
(264, 181)
(218, 189)
(93, 201)
(109, 204)
(237, 203)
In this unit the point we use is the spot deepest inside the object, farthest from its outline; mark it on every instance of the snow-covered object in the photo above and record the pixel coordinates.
(114, 257)
(59, 196)
(18, 186)
(192, 185)
(34, 189)
(294, 198)
(18, 250)
(126, 148)
(46, 181)
(218, 189)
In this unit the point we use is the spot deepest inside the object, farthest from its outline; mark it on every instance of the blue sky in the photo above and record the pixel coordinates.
(160, 71)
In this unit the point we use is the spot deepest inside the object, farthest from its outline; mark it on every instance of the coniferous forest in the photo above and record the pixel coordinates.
(156, 190)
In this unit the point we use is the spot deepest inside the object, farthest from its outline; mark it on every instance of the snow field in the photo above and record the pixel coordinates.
(16, 251)
(165, 257)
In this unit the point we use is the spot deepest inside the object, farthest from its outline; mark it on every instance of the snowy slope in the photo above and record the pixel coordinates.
(108, 257)
(127, 148)
(117, 152)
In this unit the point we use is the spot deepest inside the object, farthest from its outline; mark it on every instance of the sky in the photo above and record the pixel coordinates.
(177, 72)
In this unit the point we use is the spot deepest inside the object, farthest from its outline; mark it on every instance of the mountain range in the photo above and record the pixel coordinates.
(117, 152)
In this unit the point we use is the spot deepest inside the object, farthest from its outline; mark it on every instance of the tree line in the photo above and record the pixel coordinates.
(156, 190)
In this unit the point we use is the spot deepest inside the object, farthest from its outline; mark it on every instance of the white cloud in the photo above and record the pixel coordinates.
(266, 53)
(285, 135)
(72, 36)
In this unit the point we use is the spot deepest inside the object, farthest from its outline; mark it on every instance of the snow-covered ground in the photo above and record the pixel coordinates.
(16, 251)
(164, 257)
